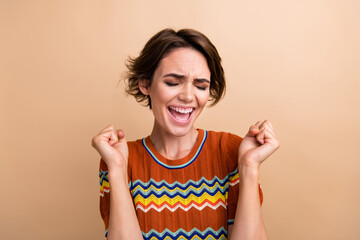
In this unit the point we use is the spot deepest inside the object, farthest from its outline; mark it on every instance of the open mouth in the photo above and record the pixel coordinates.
(181, 114)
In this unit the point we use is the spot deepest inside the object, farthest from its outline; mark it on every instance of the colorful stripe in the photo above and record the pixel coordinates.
(193, 194)
(234, 178)
(177, 188)
(173, 208)
(195, 233)
(230, 221)
(179, 166)
(157, 185)
(185, 204)
(104, 182)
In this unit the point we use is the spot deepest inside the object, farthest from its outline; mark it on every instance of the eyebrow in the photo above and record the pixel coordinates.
(178, 76)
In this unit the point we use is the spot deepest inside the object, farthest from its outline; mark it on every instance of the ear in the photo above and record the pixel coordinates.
(144, 86)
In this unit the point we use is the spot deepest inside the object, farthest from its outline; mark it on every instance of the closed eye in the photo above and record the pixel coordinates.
(201, 88)
(202, 83)
(171, 84)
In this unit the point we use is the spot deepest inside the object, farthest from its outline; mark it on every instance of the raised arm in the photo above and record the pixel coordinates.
(112, 146)
(258, 144)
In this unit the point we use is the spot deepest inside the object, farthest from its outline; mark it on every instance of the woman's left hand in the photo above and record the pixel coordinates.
(258, 144)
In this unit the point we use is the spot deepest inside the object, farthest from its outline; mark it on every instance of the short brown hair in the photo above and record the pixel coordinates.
(144, 66)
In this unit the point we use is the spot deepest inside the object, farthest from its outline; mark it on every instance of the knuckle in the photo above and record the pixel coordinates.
(277, 144)
(93, 142)
(95, 139)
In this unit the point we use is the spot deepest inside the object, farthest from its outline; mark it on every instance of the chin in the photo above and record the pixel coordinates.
(180, 131)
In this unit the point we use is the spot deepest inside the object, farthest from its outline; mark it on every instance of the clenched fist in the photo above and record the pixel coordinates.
(258, 144)
(112, 147)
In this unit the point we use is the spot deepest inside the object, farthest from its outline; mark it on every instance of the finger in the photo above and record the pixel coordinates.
(114, 137)
(267, 136)
(260, 137)
(268, 124)
(110, 136)
(267, 127)
(266, 150)
(253, 131)
(110, 127)
(271, 142)
(262, 123)
(120, 135)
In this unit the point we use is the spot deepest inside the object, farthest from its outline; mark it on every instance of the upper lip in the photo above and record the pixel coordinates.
(184, 108)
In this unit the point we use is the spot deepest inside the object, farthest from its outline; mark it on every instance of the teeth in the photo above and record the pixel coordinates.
(182, 110)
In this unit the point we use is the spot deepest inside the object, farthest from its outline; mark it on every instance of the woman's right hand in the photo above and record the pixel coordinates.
(112, 147)
(122, 219)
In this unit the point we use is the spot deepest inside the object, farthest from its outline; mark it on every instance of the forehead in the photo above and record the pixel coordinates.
(187, 61)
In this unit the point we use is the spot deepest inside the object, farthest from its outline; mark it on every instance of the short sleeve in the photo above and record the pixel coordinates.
(104, 194)
(231, 144)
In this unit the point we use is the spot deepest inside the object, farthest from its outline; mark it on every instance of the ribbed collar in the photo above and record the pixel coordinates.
(178, 163)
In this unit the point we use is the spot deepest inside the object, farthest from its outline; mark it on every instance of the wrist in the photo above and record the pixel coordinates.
(117, 173)
(250, 173)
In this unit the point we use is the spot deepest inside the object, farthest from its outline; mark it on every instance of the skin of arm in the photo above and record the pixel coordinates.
(112, 146)
(123, 223)
(258, 144)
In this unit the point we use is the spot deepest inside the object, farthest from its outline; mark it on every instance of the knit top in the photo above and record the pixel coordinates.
(193, 197)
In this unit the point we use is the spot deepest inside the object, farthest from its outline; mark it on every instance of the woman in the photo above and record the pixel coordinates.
(185, 183)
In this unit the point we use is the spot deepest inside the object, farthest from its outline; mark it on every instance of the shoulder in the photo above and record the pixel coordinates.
(224, 139)
(136, 148)
(227, 145)
(135, 144)
(136, 152)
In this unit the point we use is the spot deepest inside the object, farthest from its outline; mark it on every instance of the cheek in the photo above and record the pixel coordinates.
(205, 98)
(159, 97)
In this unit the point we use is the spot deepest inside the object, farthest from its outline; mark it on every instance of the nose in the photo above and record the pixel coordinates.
(186, 95)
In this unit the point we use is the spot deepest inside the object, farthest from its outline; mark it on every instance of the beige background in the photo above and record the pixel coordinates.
(296, 63)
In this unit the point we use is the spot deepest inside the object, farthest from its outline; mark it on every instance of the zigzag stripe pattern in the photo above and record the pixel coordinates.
(234, 179)
(193, 194)
(104, 182)
(173, 208)
(233, 175)
(138, 185)
(172, 201)
(195, 237)
(209, 186)
(175, 189)
(195, 233)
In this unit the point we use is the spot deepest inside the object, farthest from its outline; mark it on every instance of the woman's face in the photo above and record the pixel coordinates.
(179, 90)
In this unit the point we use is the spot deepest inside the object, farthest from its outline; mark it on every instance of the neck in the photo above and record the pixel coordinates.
(170, 146)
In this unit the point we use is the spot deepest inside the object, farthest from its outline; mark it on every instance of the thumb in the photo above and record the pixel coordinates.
(121, 145)
(121, 139)
(121, 135)
(253, 131)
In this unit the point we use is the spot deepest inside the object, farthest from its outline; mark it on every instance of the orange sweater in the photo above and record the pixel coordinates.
(190, 198)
